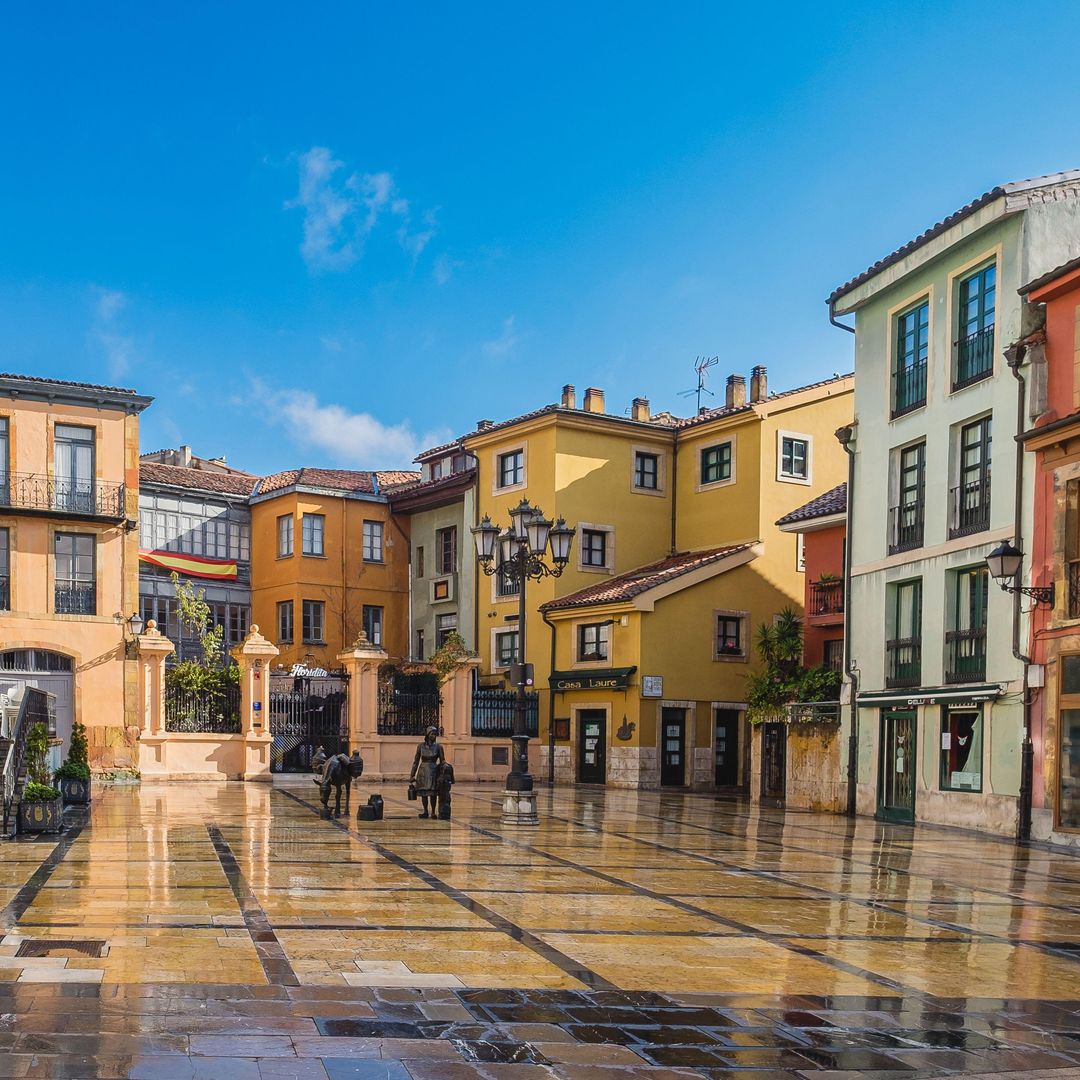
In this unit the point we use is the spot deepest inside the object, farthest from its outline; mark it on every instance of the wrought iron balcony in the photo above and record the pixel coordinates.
(5, 593)
(906, 526)
(75, 598)
(903, 662)
(40, 494)
(826, 598)
(974, 358)
(970, 507)
(965, 655)
(909, 388)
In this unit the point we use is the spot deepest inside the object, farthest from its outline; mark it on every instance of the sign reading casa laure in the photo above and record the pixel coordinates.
(597, 679)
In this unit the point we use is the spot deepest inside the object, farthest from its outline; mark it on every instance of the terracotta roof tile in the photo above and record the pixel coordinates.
(725, 410)
(626, 586)
(832, 502)
(151, 472)
(67, 382)
(348, 480)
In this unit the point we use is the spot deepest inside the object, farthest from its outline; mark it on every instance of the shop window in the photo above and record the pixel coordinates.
(961, 750)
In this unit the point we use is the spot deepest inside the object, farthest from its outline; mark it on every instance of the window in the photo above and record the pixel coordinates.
(800, 553)
(511, 468)
(314, 612)
(903, 651)
(730, 635)
(5, 570)
(646, 471)
(965, 643)
(373, 623)
(285, 621)
(961, 750)
(976, 301)
(373, 541)
(76, 591)
(907, 516)
(593, 642)
(506, 584)
(593, 547)
(446, 550)
(73, 450)
(284, 535)
(312, 527)
(909, 362)
(420, 562)
(716, 464)
(971, 497)
(1069, 726)
(419, 644)
(794, 458)
(506, 648)
(445, 625)
(832, 654)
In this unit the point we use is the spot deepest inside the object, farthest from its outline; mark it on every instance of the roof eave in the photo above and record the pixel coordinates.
(100, 397)
(826, 521)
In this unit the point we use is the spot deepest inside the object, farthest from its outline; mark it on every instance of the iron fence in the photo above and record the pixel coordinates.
(48, 494)
(974, 357)
(906, 524)
(208, 712)
(909, 388)
(970, 507)
(71, 598)
(493, 713)
(826, 598)
(903, 662)
(408, 712)
(965, 655)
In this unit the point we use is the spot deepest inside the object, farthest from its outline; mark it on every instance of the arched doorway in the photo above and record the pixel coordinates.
(50, 671)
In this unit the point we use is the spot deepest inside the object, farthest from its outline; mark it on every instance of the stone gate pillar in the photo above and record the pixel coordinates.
(361, 663)
(152, 648)
(253, 656)
(457, 699)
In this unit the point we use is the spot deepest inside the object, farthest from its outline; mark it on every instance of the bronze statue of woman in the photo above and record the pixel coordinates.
(429, 756)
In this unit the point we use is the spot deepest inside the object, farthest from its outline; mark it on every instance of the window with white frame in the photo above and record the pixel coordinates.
(284, 535)
(593, 642)
(312, 530)
(445, 625)
(646, 471)
(793, 457)
(506, 648)
(596, 547)
(373, 541)
(730, 630)
(510, 469)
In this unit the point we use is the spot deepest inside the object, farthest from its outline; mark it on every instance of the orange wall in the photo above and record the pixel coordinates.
(823, 552)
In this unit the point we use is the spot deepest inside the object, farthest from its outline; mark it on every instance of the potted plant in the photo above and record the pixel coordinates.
(42, 807)
(74, 774)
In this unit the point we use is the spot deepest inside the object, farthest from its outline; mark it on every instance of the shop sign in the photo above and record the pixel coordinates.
(605, 679)
(302, 671)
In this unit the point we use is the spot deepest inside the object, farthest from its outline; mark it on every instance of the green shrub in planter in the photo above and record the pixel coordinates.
(41, 809)
(74, 774)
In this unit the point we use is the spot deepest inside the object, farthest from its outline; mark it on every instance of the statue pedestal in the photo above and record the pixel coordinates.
(519, 808)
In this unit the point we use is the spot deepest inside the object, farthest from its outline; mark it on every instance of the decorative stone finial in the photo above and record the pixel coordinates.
(254, 628)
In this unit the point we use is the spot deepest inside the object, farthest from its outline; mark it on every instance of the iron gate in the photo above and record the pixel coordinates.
(773, 764)
(306, 713)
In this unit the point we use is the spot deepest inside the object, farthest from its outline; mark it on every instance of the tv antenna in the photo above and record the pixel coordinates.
(701, 366)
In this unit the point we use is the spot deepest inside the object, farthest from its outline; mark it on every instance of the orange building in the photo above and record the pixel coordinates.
(327, 561)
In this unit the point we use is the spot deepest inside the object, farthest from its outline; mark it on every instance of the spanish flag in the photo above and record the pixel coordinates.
(195, 566)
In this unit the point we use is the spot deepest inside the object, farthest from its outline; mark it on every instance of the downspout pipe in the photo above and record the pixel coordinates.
(1014, 357)
(851, 670)
(835, 321)
(551, 705)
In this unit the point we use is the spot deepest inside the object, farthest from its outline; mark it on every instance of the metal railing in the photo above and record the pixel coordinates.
(826, 598)
(906, 526)
(5, 593)
(1074, 588)
(903, 662)
(406, 712)
(48, 494)
(814, 712)
(974, 358)
(965, 655)
(909, 388)
(33, 709)
(493, 713)
(506, 584)
(212, 713)
(970, 507)
(71, 598)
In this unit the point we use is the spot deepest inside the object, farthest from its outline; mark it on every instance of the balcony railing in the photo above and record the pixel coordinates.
(970, 507)
(909, 388)
(965, 655)
(75, 599)
(906, 526)
(903, 662)
(52, 495)
(826, 598)
(5, 593)
(1074, 589)
(974, 358)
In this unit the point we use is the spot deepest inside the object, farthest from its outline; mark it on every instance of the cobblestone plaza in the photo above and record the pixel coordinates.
(226, 930)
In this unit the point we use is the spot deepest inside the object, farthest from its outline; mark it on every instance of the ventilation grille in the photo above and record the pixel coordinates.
(60, 947)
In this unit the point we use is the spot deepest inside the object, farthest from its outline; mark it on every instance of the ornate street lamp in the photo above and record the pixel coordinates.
(1004, 565)
(521, 549)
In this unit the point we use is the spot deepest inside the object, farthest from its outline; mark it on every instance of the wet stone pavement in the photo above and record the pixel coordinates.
(226, 931)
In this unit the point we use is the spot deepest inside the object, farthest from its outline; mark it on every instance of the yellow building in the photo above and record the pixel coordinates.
(676, 559)
(327, 561)
(69, 554)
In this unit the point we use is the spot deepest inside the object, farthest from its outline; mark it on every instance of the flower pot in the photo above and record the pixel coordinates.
(41, 815)
(75, 792)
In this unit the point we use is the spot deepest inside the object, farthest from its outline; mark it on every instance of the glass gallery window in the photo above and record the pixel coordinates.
(961, 749)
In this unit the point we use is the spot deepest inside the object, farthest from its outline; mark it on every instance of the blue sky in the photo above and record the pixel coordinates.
(335, 233)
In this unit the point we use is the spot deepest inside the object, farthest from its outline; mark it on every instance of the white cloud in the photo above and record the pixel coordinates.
(506, 342)
(444, 269)
(353, 439)
(118, 348)
(330, 344)
(339, 214)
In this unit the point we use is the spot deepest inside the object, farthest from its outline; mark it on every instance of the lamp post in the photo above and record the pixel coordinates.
(133, 623)
(1004, 565)
(517, 555)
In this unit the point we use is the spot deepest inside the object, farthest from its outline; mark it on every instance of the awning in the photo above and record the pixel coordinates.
(196, 566)
(932, 695)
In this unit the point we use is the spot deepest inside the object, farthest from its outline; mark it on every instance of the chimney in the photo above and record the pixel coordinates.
(484, 425)
(736, 391)
(569, 399)
(594, 399)
(639, 409)
(185, 456)
(759, 384)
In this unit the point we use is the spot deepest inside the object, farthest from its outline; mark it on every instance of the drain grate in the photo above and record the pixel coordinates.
(60, 947)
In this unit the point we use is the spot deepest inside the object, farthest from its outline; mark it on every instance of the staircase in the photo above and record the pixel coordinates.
(32, 707)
